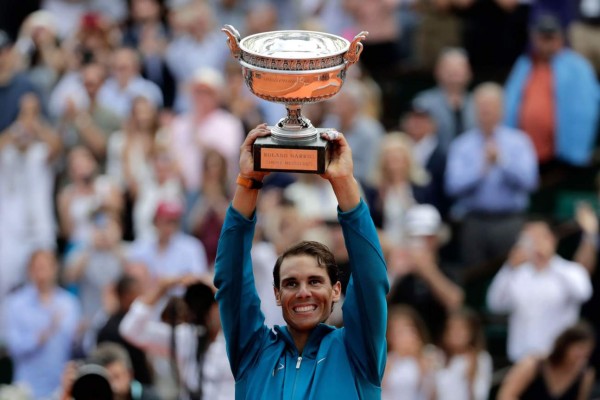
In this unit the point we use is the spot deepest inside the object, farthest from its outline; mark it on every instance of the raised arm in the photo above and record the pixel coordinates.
(499, 295)
(587, 251)
(239, 304)
(365, 308)
(140, 328)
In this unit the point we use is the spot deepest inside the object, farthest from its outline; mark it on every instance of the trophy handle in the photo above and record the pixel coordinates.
(233, 40)
(356, 47)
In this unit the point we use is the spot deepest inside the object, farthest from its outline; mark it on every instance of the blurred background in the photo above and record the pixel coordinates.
(473, 125)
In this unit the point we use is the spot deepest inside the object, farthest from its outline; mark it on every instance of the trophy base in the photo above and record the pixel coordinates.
(305, 155)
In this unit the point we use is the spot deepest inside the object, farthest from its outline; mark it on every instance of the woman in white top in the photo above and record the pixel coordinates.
(409, 373)
(466, 370)
(129, 150)
(84, 197)
(198, 346)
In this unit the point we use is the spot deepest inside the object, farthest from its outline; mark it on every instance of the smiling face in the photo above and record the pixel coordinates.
(305, 294)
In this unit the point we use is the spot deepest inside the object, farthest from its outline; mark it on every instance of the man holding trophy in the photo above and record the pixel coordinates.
(306, 359)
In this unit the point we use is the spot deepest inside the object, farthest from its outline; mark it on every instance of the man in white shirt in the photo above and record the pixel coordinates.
(203, 372)
(541, 292)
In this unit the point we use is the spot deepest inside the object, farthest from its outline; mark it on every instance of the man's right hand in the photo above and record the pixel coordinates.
(586, 218)
(518, 255)
(244, 199)
(246, 156)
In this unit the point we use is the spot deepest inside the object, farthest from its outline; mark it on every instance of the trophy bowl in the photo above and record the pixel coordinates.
(293, 67)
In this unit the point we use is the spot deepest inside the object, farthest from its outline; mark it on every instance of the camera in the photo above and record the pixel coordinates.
(91, 383)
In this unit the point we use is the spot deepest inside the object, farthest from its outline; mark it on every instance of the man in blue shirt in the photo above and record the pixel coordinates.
(305, 359)
(41, 320)
(491, 170)
(171, 253)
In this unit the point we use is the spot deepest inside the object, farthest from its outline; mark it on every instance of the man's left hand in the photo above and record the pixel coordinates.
(340, 164)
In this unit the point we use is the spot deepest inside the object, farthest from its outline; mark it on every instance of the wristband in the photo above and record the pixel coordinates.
(248, 183)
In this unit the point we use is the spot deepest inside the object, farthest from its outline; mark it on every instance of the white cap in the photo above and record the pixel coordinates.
(422, 220)
(209, 77)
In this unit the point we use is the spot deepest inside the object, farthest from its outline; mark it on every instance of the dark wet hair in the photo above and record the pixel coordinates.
(318, 251)
(579, 333)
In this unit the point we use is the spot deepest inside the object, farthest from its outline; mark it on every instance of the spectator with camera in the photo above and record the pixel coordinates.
(540, 291)
(194, 342)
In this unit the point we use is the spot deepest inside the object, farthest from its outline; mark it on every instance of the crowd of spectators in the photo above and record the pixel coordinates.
(473, 126)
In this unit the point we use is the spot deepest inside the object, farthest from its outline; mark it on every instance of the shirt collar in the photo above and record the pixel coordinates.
(314, 340)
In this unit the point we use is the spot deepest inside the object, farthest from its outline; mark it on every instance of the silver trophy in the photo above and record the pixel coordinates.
(293, 67)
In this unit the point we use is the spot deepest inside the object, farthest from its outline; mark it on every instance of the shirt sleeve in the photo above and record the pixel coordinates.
(518, 164)
(576, 281)
(22, 338)
(239, 304)
(464, 169)
(365, 307)
(499, 295)
(139, 329)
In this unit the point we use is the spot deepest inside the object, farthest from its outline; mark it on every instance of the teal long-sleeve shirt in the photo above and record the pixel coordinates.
(346, 363)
